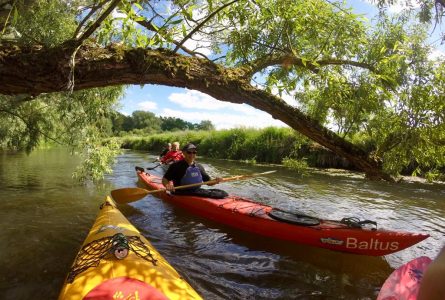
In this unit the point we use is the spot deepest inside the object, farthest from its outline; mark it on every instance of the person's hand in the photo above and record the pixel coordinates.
(217, 180)
(169, 186)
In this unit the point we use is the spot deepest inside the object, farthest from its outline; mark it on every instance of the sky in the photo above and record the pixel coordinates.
(194, 106)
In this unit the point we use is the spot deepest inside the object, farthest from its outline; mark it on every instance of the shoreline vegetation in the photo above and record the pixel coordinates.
(271, 145)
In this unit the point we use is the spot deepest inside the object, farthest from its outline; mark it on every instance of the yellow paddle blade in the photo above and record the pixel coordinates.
(127, 195)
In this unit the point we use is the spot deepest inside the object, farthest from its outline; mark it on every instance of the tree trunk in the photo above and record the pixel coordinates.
(39, 70)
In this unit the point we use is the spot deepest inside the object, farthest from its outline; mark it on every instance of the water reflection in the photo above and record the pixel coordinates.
(45, 215)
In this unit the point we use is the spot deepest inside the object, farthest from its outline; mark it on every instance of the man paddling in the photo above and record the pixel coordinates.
(168, 148)
(187, 171)
(173, 155)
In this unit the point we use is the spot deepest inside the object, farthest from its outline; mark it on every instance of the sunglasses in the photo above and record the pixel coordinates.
(191, 152)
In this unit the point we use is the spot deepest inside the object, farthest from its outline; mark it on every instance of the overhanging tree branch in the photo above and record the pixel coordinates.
(90, 30)
(87, 17)
(28, 71)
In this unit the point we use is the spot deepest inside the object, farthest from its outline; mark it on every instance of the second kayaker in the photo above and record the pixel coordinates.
(188, 171)
(173, 155)
(168, 148)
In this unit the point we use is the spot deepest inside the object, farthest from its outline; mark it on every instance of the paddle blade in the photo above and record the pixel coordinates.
(127, 195)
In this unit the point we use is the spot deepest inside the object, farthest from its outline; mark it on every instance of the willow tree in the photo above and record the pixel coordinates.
(79, 120)
(375, 84)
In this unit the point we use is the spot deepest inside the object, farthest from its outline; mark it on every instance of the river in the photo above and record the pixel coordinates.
(45, 216)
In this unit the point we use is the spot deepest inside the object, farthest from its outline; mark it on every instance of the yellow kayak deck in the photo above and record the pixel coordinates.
(143, 273)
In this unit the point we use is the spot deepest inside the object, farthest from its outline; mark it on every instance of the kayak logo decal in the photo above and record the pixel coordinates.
(415, 274)
(125, 288)
(372, 244)
(332, 241)
(113, 227)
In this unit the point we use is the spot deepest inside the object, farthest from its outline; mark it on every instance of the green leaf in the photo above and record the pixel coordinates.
(138, 6)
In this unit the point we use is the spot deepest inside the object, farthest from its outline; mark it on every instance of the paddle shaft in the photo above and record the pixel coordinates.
(154, 167)
(213, 181)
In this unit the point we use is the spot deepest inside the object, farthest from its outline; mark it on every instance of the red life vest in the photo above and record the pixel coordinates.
(172, 156)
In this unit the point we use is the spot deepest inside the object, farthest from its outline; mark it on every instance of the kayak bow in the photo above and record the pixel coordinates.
(117, 262)
(299, 228)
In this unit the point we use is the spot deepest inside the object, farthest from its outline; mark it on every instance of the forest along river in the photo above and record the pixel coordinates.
(45, 216)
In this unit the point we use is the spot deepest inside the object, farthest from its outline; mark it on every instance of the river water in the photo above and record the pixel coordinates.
(45, 216)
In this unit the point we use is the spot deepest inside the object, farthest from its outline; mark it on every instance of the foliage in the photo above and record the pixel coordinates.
(46, 22)
(426, 10)
(298, 166)
(59, 118)
(97, 159)
(78, 120)
(378, 83)
(268, 145)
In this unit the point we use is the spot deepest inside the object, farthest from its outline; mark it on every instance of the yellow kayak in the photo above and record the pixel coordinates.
(117, 262)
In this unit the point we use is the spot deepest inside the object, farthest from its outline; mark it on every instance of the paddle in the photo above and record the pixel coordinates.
(127, 195)
(153, 167)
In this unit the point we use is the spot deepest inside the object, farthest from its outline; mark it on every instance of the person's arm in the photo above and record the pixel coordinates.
(166, 158)
(173, 175)
(168, 184)
(167, 179)
(432, 286)
(180, 156)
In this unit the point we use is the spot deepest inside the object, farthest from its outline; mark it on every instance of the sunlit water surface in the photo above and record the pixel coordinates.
(45, 216)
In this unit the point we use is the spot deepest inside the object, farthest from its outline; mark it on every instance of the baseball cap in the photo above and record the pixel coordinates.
(189, 147)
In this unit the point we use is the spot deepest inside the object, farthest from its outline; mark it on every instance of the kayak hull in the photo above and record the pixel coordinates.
(250, 216)
(142, 274)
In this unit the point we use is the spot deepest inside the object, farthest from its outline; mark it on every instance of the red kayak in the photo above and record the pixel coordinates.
(348, 235)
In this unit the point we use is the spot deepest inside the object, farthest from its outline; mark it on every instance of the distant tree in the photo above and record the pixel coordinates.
(128, 124)
(117, 121)
(205, 125)
(172, 124)
(146, 120)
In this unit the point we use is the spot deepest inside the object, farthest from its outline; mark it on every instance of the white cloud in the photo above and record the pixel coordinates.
(402, 5)
(148, 105)
(437, 54)
(117, 14)
(199, 44)
(192, 99)
(225, 120)
(222, 114)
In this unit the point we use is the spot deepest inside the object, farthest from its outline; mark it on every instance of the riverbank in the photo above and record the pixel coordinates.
(270, 145)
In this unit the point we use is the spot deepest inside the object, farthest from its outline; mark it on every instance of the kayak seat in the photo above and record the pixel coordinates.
(297, 218)
(355, 222)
